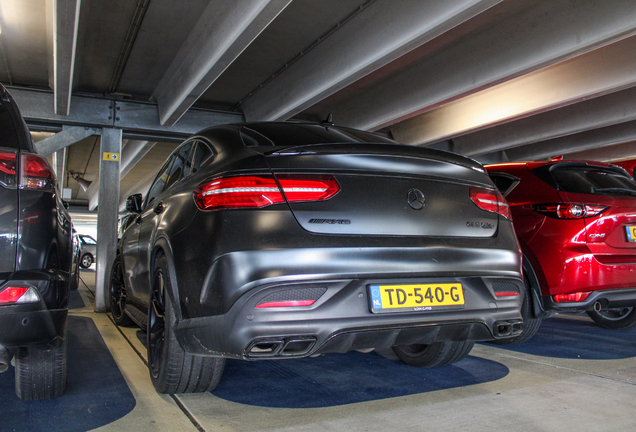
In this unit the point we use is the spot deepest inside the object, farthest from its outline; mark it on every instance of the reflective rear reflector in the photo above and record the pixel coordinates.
(506, 294)
(12, 295)
(571, 298)
(262, 191)
(288, 303)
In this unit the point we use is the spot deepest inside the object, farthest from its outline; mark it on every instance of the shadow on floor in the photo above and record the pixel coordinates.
(338, 379)
(563, 337)
(96, 392)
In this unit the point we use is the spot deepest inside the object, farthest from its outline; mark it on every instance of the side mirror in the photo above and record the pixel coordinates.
(133, 203)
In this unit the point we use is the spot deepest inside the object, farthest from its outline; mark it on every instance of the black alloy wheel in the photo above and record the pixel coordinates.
(616, 319)
(118, 294)
(172, 370)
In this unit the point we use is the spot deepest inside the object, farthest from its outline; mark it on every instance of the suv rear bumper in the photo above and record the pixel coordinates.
(607, 299)
(29, 324)
(341, 320)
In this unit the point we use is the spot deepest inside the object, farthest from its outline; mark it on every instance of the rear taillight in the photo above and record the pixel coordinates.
(491, 201)
(569, 211)
(7, 168)
(262, 191)
(18, 295)
(571, 298)
(35, 172)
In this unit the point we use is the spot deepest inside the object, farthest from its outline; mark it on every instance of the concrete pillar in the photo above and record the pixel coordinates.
(107, 213)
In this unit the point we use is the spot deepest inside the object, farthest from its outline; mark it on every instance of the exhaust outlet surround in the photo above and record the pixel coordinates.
(5, 359)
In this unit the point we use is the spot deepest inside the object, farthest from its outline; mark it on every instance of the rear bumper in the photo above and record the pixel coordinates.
(24, 325)
(607, 299)
(342, 320)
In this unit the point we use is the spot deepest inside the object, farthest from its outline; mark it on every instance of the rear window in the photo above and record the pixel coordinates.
(593, 180)
(290, 134)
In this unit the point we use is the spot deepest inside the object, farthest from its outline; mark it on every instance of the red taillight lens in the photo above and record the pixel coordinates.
(569, 211)
(8, 168)
(506, 294)
(308, 188)
(12, 295)
(35, 172)
(262, 191)
(570, 298)
(491, 201)
(7, 162)
(238, 192)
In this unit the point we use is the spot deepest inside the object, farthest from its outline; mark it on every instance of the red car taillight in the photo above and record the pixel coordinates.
(11, 295)
(491, 201)
(570, 298)
(8, 167)
(35, 172)
(262, 191)
(569, 211)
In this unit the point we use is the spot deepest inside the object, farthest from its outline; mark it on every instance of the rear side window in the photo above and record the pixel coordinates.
(504, 182)
(8, 132)
(593, 180)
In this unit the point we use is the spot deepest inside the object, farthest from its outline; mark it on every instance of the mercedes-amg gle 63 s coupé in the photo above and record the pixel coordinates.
(283, 240)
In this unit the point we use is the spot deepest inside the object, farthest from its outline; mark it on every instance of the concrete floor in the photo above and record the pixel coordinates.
(539, 393)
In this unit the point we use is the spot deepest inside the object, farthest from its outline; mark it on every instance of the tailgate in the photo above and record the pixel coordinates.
(382, 192)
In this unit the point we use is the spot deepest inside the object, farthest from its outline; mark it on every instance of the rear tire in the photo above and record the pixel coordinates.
(615, 319)
(172, 370)
(530, 324)
(118, 294)
(435, 354)
(40, 373)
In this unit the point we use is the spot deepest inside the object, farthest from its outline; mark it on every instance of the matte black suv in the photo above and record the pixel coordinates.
(286, 240)
(36, 263)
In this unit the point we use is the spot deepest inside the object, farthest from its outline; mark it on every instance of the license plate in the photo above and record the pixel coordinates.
(416, 297)
(631, 233)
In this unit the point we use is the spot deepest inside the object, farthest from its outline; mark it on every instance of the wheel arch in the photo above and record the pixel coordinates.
(162, 247)
(538, 308)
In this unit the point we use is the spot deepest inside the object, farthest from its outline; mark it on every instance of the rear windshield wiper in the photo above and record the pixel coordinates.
(617, 191)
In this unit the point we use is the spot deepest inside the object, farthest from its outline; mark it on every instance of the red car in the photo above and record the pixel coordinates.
(576, 224)
(629, 165)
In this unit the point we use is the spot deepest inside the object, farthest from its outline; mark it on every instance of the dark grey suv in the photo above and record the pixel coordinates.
(36, 263)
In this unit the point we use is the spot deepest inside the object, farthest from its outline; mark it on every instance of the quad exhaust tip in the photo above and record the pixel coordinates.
(293, 346)
(5, 359)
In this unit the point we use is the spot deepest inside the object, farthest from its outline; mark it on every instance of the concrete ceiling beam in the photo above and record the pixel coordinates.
(220, 35)
(590, 75)
(612, 153)
(593, 139)
(600, 112)
(62, 25)
(543, 34)
(379, 34)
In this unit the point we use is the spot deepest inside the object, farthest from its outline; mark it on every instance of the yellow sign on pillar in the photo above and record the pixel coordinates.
(111, 156)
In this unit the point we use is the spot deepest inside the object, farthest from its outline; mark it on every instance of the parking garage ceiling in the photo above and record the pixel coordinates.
(494, 80)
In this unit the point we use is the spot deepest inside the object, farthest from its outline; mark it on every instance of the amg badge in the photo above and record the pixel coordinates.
(331, 221)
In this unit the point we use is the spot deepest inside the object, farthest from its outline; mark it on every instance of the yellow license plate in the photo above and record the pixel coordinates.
(631, 233)
(416, 297)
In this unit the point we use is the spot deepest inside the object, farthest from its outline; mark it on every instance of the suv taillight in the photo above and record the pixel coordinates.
(35, 172)
(7, 168)
(18, 295)
(569, 211)
(262, 191)
(491, 201)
